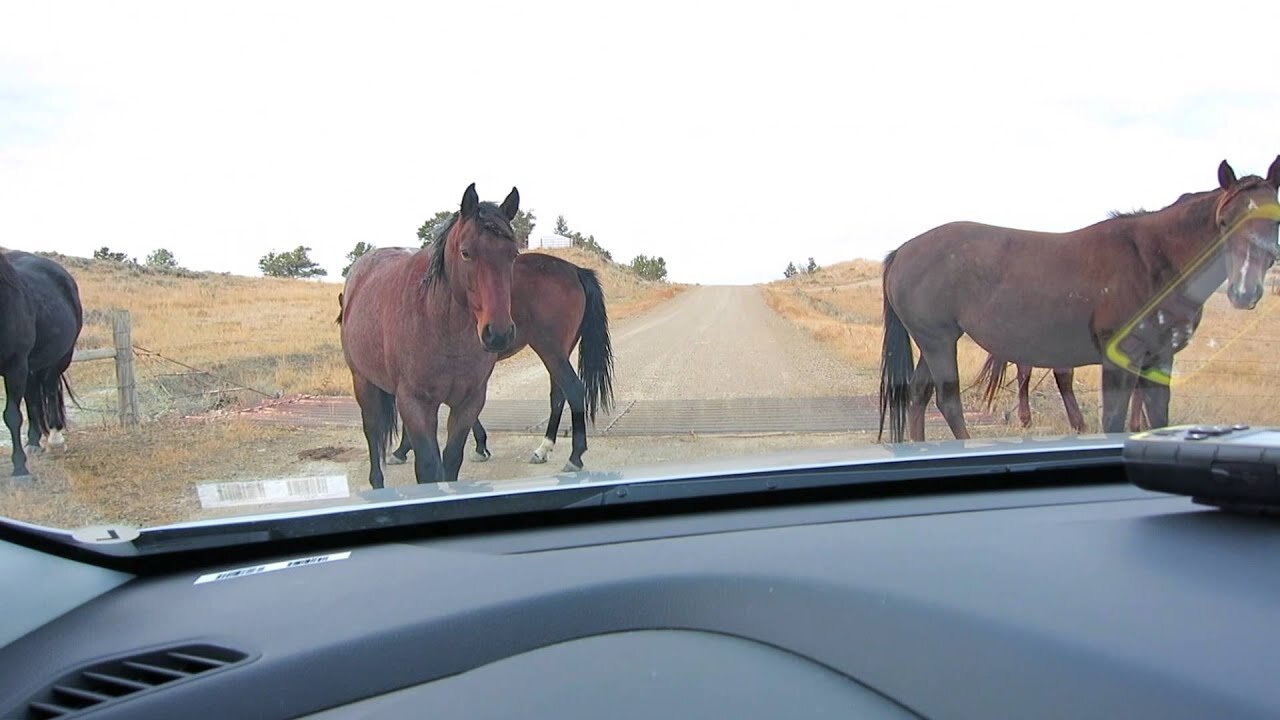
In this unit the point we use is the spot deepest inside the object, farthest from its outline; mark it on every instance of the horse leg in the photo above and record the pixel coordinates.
(1155, 397)
(462, 419)
(421, 422)
(567, 386)
(1065, 380)
(543, 451)
(37, 424)
(921, 392)
(1117, 386)
(1137, 413)
(482, 453)
(1024, 395)
(15, 389)
(400, 455)
(377, 409)
(941, 354)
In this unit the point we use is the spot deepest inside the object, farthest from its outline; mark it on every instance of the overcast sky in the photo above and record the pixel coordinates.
(728, 138)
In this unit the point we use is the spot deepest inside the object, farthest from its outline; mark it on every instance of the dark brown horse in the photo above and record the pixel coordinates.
(40, 321)
(1056, 300)
(557, 305)
(1139, 415)
(421, 329)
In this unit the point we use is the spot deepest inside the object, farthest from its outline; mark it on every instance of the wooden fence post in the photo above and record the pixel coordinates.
(126, 386)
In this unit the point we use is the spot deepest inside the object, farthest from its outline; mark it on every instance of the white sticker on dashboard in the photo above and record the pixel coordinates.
(265, 492)
(271, 567)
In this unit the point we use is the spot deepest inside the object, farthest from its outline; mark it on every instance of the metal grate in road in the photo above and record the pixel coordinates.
(634, 417)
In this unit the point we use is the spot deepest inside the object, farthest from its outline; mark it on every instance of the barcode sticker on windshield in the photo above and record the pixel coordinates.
(284, 490)
(271, 567)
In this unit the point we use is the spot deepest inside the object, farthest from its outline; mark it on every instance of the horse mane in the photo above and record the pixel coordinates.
(435, 271)
(1136, 212)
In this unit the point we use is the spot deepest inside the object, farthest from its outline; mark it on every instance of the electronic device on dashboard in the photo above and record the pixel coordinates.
(1233, 467)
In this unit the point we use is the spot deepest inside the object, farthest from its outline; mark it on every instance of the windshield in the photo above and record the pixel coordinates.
(281, 257)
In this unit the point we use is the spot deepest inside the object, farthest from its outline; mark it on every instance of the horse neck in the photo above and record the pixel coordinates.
(438, 305)
(1171, 240)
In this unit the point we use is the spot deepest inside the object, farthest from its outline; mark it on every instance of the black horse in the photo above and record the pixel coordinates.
(40, 321)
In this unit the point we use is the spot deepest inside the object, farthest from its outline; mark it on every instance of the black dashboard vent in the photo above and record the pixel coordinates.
(114, 679)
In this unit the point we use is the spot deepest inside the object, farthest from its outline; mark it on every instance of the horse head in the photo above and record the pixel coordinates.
(478, 253)
(1248, 214)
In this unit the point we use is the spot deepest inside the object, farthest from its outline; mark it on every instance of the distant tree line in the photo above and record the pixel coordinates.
(158, 258)
(297, 263)
(792, 270)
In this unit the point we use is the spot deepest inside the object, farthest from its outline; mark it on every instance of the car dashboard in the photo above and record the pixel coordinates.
(1095, 601)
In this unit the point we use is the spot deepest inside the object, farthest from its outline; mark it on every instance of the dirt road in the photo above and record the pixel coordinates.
(709, 342)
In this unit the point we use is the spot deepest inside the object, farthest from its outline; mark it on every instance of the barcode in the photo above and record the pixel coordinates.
(282, 490)
(308, 561)
(239, 492)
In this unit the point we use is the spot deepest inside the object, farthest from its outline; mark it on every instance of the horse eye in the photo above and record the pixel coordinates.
(466, 254)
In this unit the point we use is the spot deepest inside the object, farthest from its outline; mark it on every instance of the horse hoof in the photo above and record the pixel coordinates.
(57, 440)
(571, 468)
(396, 460)
(34, 449)
(477, 457)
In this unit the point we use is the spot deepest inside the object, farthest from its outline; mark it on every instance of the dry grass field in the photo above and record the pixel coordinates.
(1230, 371)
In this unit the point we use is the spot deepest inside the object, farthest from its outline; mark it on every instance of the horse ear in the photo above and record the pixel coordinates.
(1226, 176)
(511, 205)
(1273, 175)
(470, 200)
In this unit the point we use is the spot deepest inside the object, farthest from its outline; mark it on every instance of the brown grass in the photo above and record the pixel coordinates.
(1227, 374)
(272, 335)
(143, 476)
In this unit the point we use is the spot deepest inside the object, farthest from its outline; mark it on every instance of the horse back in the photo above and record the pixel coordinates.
(374, 309)
(547, 302)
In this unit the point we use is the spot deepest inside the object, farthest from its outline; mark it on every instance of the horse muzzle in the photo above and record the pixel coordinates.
(495, 341)
(1246, 300)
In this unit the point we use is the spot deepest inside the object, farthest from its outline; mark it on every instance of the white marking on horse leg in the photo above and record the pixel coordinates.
(56, 440)
(543, 450)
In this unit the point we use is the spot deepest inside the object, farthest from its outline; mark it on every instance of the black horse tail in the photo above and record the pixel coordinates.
(339, 320)
(897, 365)
(389, 422)
(595, 350)
(992, 375)
(52, 388)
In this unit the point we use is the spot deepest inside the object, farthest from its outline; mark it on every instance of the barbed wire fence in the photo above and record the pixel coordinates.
(147, 384)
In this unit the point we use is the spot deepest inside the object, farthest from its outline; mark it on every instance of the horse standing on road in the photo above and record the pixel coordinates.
(557, 305)
(424, 328)
(40, 322)
(1056, 300)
